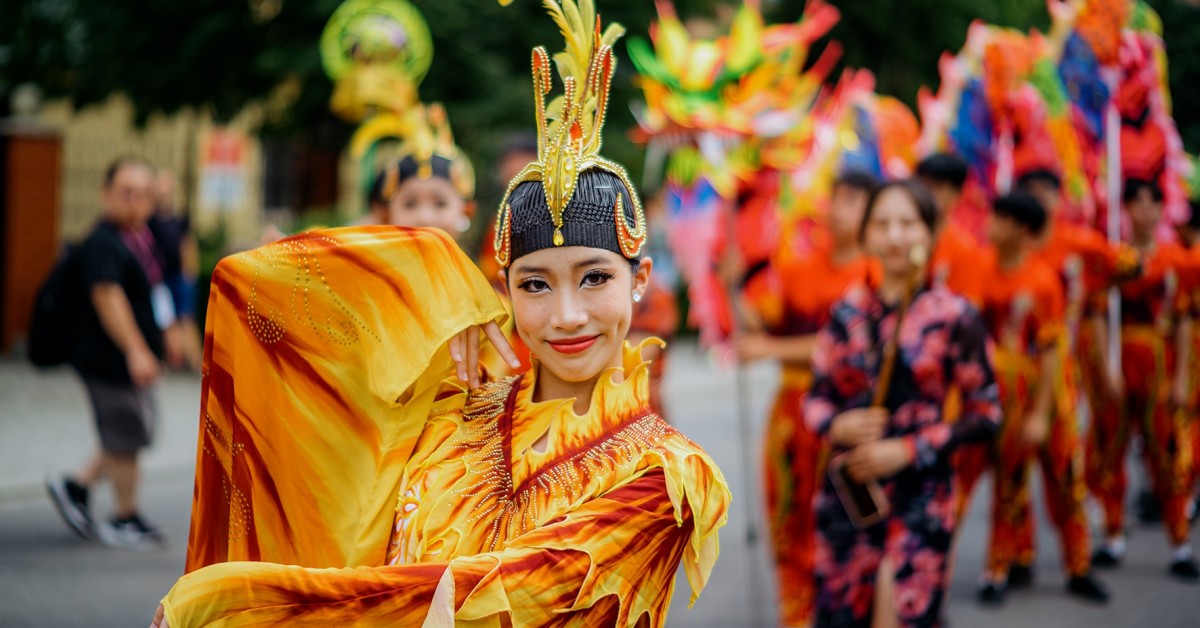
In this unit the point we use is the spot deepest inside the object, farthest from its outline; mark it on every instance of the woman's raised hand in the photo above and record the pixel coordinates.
(464, 348)
(878, 459)
(858, 426)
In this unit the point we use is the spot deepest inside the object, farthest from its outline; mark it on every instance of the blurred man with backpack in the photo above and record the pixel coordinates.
(122, 309)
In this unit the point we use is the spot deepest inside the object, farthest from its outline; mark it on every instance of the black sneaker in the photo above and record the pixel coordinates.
(1087, 587)
(130, 532)
(1020, 577)
(71, 501)
(1185, 569)
(991, 593)
(1105, 558)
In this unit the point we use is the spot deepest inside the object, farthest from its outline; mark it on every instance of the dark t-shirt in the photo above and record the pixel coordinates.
(104, 258)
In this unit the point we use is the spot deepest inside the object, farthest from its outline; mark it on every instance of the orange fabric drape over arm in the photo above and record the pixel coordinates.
(323, 354)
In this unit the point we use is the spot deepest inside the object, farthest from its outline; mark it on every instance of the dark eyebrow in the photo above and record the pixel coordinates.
(540, 270)
(594, 261)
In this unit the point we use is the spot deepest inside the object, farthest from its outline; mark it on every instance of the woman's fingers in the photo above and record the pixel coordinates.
(861, 463)
(494, 334)
(456, 352)
(856, 472)
(464, 348)
(472, 342)
(160, 619)
(853, 463)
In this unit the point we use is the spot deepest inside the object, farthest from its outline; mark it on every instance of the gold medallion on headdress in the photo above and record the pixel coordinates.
(377, 52)
(569, 129)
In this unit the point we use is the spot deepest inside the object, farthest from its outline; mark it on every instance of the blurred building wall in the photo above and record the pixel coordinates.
(94, 136)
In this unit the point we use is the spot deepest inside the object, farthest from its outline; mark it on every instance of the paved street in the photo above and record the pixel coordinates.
(50, 578)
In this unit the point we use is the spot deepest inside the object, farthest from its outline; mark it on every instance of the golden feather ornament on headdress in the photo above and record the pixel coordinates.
(570, 127)
(430, 136)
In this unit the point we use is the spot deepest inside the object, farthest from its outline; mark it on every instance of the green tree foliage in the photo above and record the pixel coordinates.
(901, 41)
(221, 55)
(481, 71)
(164, 55)
(1181, 32)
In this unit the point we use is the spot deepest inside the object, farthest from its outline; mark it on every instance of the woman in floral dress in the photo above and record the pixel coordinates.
(895, 572)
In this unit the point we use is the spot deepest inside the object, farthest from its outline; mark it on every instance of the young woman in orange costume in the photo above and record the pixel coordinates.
(354, 470)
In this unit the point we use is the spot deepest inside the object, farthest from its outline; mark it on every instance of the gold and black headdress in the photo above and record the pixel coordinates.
(572, 196)
(428, 151)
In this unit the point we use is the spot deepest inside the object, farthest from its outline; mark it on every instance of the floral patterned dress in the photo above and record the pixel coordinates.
(942, 344)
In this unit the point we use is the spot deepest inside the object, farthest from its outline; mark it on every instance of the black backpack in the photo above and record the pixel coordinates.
(54, 327)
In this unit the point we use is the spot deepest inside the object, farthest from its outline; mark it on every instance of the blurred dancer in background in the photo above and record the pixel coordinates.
(793, 456)
(1086, 266)
(955, 258)
(1024, 307)
(1156, 343)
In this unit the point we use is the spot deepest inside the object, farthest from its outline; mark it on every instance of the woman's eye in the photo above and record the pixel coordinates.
(533, 285)
(596, 278)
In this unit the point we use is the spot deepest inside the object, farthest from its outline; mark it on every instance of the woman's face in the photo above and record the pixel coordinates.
(894, 228)
(573, 305)
(429, 202)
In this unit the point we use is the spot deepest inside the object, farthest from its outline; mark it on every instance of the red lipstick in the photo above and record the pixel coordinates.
(573, 345)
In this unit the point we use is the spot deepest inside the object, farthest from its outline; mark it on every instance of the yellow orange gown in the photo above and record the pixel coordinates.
(343, 478)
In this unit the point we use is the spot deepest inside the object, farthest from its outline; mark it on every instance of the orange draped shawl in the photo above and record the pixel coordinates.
(343, 477)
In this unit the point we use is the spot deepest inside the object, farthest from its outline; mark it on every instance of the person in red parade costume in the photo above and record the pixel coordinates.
(1024, 308)
(955, 261)
(1189, 237)
(1086, 265)
(1156, 344)
(793, 456)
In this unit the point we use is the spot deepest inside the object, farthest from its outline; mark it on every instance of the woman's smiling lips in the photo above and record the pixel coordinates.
(573, 345)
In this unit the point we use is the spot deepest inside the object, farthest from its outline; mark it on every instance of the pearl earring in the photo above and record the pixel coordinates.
(464, 224)
(637, 297)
